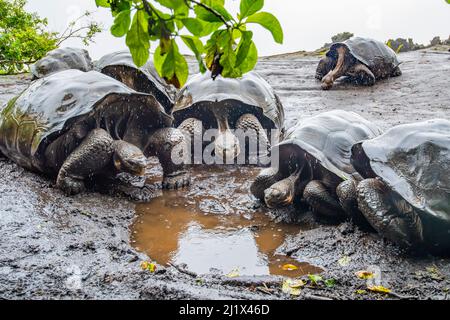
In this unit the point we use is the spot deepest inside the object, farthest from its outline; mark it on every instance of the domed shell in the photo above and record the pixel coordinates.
(414, 161)
(376, 55)
(329, 138)
(50, 106)
(120, 66)
(251, 92)
(62, 59)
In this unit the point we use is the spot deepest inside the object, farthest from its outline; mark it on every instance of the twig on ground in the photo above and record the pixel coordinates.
(182, 270)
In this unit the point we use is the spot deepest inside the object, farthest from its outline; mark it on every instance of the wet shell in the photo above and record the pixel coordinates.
(62, 59)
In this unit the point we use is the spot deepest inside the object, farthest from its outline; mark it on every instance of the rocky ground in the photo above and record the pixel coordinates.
(52, 246)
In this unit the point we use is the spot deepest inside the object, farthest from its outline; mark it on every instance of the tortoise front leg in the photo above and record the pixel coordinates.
(258, 141)
(362, 74)
(96, 153)
(193, 131)
(169, 145)
(348, 198)
(321, 201)
(395, 220)
(90, 157)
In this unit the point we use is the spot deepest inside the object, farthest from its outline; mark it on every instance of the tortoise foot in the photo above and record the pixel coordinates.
(176, 181)
(71, 186)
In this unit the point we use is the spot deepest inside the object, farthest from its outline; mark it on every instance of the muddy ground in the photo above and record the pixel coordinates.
(52, 246)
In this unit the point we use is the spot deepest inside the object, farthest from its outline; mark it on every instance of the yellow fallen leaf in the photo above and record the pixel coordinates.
(289, 267)
(361, 291)
(148, 266)
(379, 289)
(364, 274)
(234, 273)
(292, 286)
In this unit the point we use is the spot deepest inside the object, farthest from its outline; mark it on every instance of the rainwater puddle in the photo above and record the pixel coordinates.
(215, 226)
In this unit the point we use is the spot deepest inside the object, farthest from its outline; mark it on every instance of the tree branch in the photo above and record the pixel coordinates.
(214, 12)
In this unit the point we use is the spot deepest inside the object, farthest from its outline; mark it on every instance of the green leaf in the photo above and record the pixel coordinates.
(171, 4)
(315, 278)
(102, 3)
(197, 48)
(249, 7)
(244, 47)
(209, 16)
(138, 40)
(228, 58)
(330, 283)
(270, 22)
(172, 66)
(121, 24)
(251, 59)
(194, 26)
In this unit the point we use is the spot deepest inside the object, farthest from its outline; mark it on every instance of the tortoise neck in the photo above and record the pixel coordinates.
(222, 120)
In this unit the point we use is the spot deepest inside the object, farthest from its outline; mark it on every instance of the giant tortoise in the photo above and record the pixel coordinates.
(62, 59)
(248, 106)
(314, 161)
(76, 125)
(363, 60)
(120, 66)
(406, 192)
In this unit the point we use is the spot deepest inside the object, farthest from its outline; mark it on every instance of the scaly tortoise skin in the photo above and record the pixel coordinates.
(120, 66)
(76, 125)
(364, 60)
(62, 59)
(406, 192)
(314, 163)
(248, 104)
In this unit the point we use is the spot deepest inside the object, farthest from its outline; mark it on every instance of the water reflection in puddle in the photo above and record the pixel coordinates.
(215, 227)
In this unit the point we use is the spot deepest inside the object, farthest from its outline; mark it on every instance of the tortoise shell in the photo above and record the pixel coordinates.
(328, 138)
(376, 55)
(120, 66)
(51, 106)
(414, 161)
(62, 59)
(249, 94)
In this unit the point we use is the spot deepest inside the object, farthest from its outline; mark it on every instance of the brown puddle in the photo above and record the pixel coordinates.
(214, 226)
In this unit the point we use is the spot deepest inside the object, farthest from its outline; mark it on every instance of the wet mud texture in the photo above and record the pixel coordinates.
(52, 246)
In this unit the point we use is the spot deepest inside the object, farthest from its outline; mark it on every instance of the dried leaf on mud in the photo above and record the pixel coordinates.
(234, 273)
(344, 261)
(379, 289)
(292, 286)
(148, 266)
(364, 274)
(361, 291)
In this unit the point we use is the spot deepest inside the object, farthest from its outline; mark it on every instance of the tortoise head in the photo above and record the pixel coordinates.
(226, 145)
(129, 158)
(294, 166)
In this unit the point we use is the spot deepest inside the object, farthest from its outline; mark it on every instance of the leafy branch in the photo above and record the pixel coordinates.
(229, 49)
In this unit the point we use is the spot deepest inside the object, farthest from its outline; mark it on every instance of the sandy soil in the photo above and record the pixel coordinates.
(55, 247)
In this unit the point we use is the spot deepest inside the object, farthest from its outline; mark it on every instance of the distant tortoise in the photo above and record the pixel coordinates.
(120, 66)
(248, 103)
(363, 60)
(314, 161)
(77, 125)
(406, 194)
(62, 59)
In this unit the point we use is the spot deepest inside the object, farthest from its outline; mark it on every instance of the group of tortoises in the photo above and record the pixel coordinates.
(81, 120)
